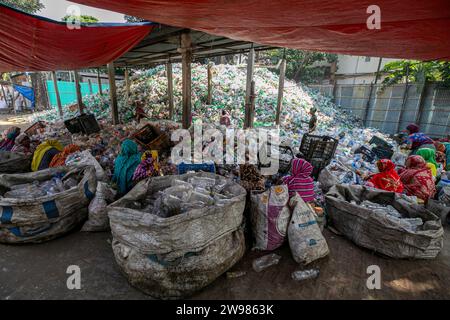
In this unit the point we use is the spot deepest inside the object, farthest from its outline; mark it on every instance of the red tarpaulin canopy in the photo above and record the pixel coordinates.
(409, 29)
(31, 43)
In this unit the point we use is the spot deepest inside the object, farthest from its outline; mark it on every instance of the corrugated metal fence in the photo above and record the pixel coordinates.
(393, 108)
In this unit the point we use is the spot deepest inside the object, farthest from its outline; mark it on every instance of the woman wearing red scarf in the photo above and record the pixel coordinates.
(387, 179)
(417, 178)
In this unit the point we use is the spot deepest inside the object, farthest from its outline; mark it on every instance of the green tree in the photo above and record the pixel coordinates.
(29, 6)
(82, 19)
(301, 65)
(417, 72)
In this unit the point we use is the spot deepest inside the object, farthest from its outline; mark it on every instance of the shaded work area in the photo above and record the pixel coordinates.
(343, 274)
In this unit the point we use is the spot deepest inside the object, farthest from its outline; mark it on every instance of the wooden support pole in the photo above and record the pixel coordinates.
(333, 81)
(209, 100)
(252, 104)
(280, 90)
(421, 103)
(58, 97)
(113, 94)
(99, 81)
(186, 53)
(91, 92)
(250, 67)
(4, 94)
(405, 98)
(170, 88)
(127, 83)
(78, 90)
(366, 110)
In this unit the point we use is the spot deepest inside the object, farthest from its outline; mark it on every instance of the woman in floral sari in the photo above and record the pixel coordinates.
(417, 178)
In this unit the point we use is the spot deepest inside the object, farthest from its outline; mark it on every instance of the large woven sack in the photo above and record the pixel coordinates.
(98, 216)
(270, 216)
(47, 217)
(12, 162)
(170, 279)
(174, 236)
(305, 238)
(379, 232)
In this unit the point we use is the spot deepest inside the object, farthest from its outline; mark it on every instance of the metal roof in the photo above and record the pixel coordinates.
(162, 44)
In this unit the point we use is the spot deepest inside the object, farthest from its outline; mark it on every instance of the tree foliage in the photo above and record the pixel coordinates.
(29, 6)
(301, 65)
(82, 19)
(417, 72)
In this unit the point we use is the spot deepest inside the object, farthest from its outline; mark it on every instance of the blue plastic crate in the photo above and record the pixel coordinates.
(186, 167)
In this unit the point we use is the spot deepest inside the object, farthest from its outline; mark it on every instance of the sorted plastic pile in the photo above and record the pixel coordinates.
(229, 85)
(391, 213)
(182, 196)
(40, 189)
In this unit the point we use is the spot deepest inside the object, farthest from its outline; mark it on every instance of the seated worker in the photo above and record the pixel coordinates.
(9, 138)
(417, 178)
(387, 179)
(44, 154)
(139, 111)
(312, 120)
(429, 155)
(125, 165)
(300, 180)
(417, 140)
(22, 144)
(443, 153)
(225, 119)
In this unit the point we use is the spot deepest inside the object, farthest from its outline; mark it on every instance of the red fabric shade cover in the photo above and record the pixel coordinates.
(30, 43)
(409, 29)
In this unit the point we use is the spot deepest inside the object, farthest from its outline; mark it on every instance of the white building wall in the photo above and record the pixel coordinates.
(354, 69)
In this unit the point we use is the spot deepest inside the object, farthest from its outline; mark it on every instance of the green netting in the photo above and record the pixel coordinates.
(68, 93)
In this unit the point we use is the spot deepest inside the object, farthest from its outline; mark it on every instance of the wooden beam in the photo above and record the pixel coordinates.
(4, 94)
(209, 100)
(113, 94)
(99, 82)
(421, 103)
(250, 67)
(186, 52)
(170, 88)
(91, 92)
(405, 98)
(252, 104)
(127, 83)
(372, 85)
(280, 90)
(78, 90)
(58, 97)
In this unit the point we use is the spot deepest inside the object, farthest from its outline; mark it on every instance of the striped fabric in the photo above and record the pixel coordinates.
(300, 180)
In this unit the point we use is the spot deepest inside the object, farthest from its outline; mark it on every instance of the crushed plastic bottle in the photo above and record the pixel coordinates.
(265, 262)
(301, 275)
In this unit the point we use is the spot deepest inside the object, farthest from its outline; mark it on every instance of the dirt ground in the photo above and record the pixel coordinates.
(39, 272)
(19, 120)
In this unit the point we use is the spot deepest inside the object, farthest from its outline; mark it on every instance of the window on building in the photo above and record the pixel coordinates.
(367, 59)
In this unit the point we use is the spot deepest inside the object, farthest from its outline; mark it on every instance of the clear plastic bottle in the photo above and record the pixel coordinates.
(265, 262)
(305, 274)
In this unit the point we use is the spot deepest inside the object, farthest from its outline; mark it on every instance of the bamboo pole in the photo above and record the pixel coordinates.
(113, 94)
(280, 90)
(170, 88)
(78, 90)
(58, 97)
(186, 51)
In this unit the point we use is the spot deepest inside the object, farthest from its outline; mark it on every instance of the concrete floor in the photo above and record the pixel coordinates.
(39, 272)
